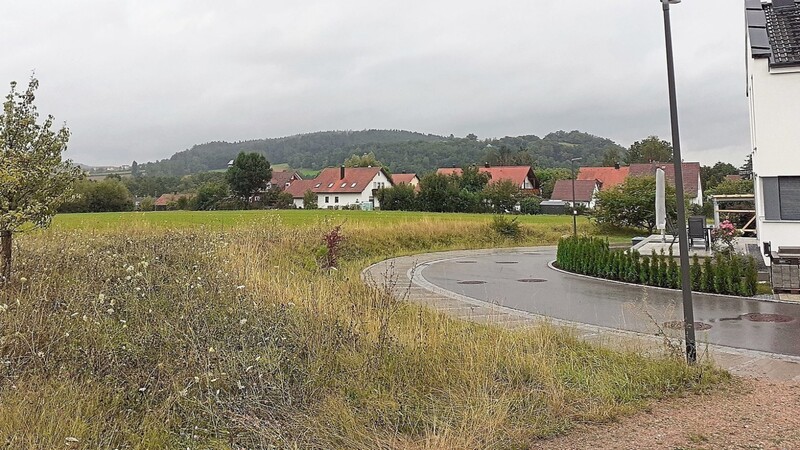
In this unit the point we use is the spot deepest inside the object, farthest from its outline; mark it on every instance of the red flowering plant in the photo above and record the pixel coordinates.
(724, 236)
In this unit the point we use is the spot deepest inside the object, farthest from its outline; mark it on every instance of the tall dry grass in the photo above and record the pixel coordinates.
(146, 338)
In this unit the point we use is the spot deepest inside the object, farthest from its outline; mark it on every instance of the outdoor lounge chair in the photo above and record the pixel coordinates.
(697, 230)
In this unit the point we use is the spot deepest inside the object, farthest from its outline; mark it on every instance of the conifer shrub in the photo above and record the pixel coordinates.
(723, 274)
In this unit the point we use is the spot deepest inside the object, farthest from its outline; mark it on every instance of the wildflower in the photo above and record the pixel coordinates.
(128, 278)
(101, 297)
(40, 354)
(240, 287)
(23, 279)
(3, 308)
(211, 350)
(129, 268)
(243, 321)
(110, 310)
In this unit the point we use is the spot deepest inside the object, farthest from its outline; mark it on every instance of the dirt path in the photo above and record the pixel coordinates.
(751, 414)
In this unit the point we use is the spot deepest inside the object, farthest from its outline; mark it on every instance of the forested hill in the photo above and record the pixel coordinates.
(399, 150)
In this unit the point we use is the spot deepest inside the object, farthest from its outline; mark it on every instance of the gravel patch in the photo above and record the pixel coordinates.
(749, 414)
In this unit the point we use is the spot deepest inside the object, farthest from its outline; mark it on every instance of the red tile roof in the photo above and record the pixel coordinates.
(169, 198)
(584, 190)
(298, 188)
(355, 181)
(609, 176)
(281, 177)
(691, 174)
(517, 174)
(403, 178)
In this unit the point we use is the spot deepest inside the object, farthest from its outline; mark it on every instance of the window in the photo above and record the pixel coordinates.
(327, 199)
(318, 185)
(343, 185)
(330, 185)
(781, 198)
(353, 185)
(336, 199)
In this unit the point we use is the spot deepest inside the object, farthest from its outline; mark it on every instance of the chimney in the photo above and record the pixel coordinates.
(341, 172)
(486, 165)
(616, 166)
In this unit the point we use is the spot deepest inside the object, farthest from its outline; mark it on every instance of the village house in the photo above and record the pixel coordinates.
(169, 201)
(773, 91)
(406, 178)
(585, 192)
(281, 179)
(522, 176)
(610, 177)
(342, 187)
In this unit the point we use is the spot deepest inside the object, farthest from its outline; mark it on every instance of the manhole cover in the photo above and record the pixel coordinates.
(776, 318)
(466, 262)
(507, 262)
(678, 325)
(472, 282)
(532, 280)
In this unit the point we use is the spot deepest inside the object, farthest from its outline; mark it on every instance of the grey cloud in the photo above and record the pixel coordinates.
(141, 80)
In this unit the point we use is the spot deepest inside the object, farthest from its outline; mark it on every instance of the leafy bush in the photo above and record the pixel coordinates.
(530, 205)
(506, 227)
(727, 274)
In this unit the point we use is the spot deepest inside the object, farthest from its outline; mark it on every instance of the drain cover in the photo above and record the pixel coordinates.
(507, 262)
(532, 280)
(466, 262)
(776, 318)
(678, 325)
(472, 282)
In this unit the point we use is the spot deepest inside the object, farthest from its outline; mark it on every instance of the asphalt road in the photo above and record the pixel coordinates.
(523, 281)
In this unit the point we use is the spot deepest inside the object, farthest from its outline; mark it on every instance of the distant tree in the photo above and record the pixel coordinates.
(34, 180)
(249, 174)
(309, 200)
(472, 137)
(632, 204)
(502, 196)
(135, 172)
(746, 171)
(649, 149)
(612, 156)
(711, 176)
(209, 195)
(107, 196)
(472, 179)
(401, 197)
(530, 204)
(147, 204)
(505, 156)
(548, 177)
(365, 160)
(437, 193)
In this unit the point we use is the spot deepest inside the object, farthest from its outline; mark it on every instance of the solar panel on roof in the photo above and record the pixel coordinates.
(758, 38)
(756, 18)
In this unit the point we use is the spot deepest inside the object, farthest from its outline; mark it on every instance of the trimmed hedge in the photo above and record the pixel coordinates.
(586, 255)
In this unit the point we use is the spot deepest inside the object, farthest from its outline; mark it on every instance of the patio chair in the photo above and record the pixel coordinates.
(697, 230)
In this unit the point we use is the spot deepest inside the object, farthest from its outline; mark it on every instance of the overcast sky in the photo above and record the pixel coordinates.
(141, 80)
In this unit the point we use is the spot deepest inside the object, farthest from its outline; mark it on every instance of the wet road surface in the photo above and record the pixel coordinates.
(523, 281)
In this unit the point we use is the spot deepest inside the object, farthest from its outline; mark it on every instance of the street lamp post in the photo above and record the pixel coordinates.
(574, 208)
(686, 285)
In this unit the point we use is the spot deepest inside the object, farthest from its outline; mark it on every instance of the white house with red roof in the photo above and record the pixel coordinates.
(342, 187)
(522, 176)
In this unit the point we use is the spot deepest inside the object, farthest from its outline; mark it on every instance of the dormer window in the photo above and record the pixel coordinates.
(318, 185)
(353, 185)
(343, 185)
(330, 185)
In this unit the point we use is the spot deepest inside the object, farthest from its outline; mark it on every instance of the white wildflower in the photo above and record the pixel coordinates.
(128, 278)
(101, 297)
(243, 321)
(211, 350)
(240, 287)
(110, 310)
(23, 279)
(3, 308)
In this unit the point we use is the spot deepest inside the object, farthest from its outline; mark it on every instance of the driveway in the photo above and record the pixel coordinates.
(521, 279)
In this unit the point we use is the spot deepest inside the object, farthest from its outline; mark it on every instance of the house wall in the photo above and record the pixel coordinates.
(343, 200)
(774, 97)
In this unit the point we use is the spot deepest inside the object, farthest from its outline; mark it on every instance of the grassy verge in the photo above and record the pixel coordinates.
(149, 336)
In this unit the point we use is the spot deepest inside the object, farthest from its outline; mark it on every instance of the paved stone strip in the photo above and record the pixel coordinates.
(397, 276)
